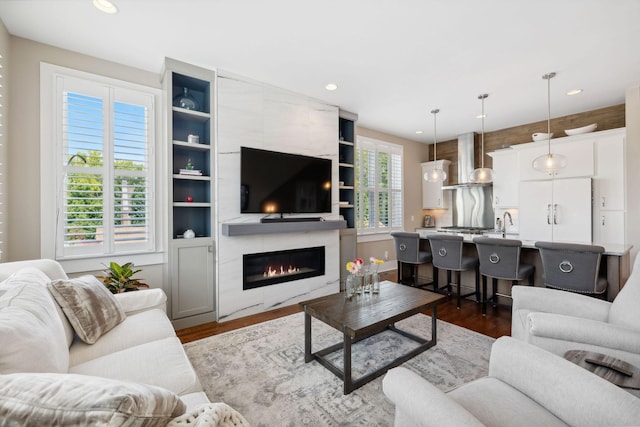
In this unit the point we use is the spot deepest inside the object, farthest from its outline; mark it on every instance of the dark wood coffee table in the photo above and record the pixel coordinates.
(363, 316)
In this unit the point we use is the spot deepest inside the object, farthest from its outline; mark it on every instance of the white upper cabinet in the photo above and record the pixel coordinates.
(506, 171)
(609, 188)
(432, 195)
(579, 155)
(609, 176)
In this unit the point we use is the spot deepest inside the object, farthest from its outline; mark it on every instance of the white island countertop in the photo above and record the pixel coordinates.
(609, 248)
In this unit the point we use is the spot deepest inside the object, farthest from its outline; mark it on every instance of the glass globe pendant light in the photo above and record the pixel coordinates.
(436, 174)
(482, 174)
(549, 163)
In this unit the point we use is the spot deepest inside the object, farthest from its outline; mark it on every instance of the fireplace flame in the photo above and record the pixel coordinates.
(280, 271)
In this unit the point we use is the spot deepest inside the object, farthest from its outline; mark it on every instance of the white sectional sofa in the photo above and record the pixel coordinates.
(42, 351)
(526, 386)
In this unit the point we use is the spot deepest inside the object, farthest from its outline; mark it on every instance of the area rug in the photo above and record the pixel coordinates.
(260, 370)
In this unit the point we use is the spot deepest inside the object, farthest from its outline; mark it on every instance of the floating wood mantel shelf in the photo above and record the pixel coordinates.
(249, 228)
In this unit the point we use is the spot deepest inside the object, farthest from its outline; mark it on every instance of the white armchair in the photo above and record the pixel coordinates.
(559, 321)
(526, 386)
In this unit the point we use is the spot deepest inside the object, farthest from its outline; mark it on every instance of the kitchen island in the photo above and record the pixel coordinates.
(615, 264)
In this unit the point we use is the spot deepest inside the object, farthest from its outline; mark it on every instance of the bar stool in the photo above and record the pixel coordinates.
(572, 267)
(500, 259)
(446, 250)
(408, 252)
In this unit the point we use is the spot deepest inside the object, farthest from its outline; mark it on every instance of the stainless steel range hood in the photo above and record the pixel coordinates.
(465, 163)
(472, 202)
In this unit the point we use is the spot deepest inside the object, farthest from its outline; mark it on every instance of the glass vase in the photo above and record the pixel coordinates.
(375, 283)
(186, 100)
(351, 286)
(367, 284)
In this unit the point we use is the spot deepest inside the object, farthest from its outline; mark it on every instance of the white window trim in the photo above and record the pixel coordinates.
(372, 235)
(49, 180)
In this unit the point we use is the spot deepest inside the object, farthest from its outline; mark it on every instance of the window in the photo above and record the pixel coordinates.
(379, 203)
(98, 159)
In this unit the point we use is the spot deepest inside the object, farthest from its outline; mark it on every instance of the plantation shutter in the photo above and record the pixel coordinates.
(379, 206)
(105, 170)
(395, 196)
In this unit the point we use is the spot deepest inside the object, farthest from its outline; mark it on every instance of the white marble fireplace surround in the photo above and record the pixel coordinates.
(253, 114)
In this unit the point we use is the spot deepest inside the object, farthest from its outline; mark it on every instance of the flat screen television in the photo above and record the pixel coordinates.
(272, 182)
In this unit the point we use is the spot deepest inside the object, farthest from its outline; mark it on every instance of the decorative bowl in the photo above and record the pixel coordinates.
(583, 129)
(539, 136)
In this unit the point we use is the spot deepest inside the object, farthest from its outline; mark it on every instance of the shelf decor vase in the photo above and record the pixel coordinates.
(186, 100)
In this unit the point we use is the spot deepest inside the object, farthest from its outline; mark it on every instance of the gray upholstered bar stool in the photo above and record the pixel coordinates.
(408, 252)
(500, 259)
(572, 267)
(446, 250)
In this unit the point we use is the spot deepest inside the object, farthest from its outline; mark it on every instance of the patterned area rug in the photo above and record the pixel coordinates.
(260, 371)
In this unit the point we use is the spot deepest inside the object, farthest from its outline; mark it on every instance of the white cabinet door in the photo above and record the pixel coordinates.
(535, 210)
(526, 156)
(609, 188)
(432, 194)
(556, 210)
(506, 178)
(609, 227)
(571, 210)
(192, 277)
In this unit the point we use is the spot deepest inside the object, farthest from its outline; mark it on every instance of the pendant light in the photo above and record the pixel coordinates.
(482, 174)
(549, 163)
(436, 174)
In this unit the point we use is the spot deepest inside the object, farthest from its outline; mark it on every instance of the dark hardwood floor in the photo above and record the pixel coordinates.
(495, 324)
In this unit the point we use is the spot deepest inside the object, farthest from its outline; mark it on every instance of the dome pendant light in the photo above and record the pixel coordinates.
(436, 174)
(549, 163)
(482, 174)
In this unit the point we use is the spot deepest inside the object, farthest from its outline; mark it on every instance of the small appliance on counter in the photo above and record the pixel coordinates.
(428, 222)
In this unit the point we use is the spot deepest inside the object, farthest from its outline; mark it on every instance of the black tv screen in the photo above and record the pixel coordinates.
(274, 182)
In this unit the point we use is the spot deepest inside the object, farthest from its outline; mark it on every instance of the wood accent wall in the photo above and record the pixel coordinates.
(606, 118)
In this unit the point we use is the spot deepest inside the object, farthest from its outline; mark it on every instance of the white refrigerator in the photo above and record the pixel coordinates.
(556, 210)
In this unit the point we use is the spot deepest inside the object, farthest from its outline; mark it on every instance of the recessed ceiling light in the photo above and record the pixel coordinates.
(418, 132)
(480, 116)
(574, 92)
(105, 6)
(331, 86)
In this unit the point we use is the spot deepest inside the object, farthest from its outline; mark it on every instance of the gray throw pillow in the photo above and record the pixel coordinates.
(82, 400)
(91, 309)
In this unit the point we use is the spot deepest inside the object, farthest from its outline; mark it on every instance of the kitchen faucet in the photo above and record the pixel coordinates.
(504, 223)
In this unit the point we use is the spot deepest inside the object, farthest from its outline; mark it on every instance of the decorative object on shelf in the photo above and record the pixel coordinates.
(193, 139)
(189, 234)
(189, 199)
(194, 172)
(540, 136)
(436, 174)
(482, 174)
(549, 163)
(583, 129)
(186, 100)
(118, 278)
(189, 170)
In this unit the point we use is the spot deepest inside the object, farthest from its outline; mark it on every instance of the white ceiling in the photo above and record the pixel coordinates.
(393, 61)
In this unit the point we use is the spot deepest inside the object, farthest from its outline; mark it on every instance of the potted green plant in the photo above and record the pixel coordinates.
(118, 278)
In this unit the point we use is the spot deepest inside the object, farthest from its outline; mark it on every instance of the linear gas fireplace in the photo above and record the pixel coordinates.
(269, 268)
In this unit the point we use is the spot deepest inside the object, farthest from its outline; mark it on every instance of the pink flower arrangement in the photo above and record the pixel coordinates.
(355, 266)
